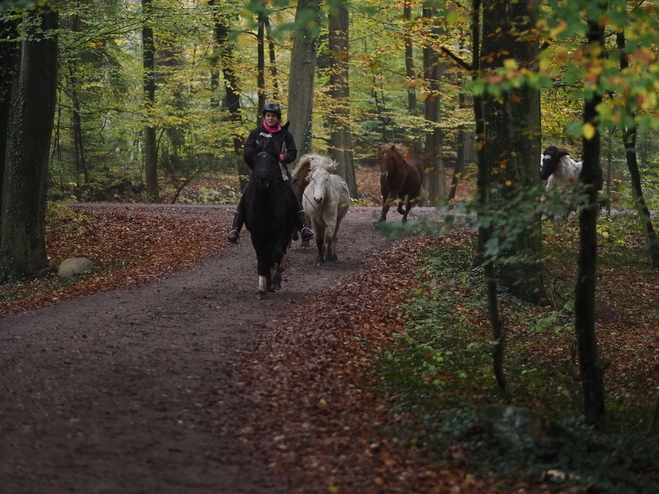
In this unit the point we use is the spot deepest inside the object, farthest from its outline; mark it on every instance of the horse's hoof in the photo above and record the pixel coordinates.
(260, 295)
(275, 288)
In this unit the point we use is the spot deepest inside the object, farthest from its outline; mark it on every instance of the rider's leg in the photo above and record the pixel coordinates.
(298, 213)
(238, 220)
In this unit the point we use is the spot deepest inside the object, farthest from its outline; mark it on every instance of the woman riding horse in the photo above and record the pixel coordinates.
(278, 141)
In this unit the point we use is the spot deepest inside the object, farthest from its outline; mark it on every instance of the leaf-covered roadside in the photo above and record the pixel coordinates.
(376, 386)
(128, 245)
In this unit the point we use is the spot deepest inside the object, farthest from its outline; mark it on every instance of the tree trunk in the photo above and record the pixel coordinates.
(273, 62)
(484, 234)
(341, 134)
(410, 72)
(260, 64)
(432, 156)
(9, 67)
(589, 362)
(629, 140)
(78, 140)
(302, 76)
(512, 138)
(23, 237)
(150, 144)
(232, 89)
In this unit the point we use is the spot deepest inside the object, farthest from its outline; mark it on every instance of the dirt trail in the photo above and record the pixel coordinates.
(111, 393)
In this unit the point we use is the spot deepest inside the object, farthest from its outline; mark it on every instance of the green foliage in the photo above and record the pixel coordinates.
(67, 220)
(438, 373)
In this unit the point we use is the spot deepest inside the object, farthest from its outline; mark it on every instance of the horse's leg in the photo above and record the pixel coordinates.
(263, 286)
(279, 267)
(408, 206)
(320, 245)
(386, 204)
(400, 206)
(263, 269)
(330, 236)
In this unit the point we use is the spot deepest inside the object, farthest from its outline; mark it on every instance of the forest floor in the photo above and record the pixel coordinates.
(145, 376)
(162, 372)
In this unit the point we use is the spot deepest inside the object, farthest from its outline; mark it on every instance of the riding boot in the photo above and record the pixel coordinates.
(236, 227)
(305, 232)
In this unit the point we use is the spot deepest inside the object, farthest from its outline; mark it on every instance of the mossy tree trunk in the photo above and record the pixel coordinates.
(31, 114)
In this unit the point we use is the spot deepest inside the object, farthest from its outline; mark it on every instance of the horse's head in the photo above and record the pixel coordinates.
(388, 154)
(319, 184)
(550, 159)
(265, 169)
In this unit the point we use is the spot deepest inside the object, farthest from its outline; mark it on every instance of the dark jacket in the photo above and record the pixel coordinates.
(272, 142)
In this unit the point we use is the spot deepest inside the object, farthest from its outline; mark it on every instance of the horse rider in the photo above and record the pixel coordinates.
(273, 138)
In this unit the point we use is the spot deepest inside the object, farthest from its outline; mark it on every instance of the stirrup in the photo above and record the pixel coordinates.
(306, 233)
(233, 236)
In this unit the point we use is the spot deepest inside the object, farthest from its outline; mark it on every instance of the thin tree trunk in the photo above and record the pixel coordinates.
(23, 209)
(460, 156)
(432, 155)
(629, 140)
(78, 140)
(273, 62)
(260, 77)
(590, 365)
(150, 144)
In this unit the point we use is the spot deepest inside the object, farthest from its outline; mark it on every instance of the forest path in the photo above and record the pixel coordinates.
(117, 392)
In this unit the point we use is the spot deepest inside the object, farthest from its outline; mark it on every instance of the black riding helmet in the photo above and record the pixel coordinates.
(273, 108)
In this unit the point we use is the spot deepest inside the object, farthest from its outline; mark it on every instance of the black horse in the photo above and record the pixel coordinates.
(269, 220)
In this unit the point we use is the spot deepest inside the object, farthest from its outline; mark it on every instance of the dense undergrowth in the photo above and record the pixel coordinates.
(439, 374)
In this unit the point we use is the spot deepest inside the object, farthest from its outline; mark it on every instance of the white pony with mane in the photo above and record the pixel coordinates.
(557, 166)
(325, 199)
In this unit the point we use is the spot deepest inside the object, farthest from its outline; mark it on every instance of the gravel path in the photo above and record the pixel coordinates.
(111, 393)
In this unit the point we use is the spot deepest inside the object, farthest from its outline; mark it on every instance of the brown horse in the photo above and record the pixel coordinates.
(400, 179)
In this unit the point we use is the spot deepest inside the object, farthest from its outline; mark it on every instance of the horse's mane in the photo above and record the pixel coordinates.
(309, 162)
(400, 148)
(564, 152)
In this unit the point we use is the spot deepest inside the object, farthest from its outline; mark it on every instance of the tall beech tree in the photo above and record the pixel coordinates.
(512, 137)
(341, 134)
(31, 114)
(433, 161)
(9, 58)
(304, 55)
(226, 48)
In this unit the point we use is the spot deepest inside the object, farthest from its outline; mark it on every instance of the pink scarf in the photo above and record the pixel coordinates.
(271, 129)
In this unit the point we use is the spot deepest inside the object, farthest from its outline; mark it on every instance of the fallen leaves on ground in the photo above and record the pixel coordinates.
(128, 245)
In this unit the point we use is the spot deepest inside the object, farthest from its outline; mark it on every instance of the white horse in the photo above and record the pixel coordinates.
(326, 200)
(557, 166)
